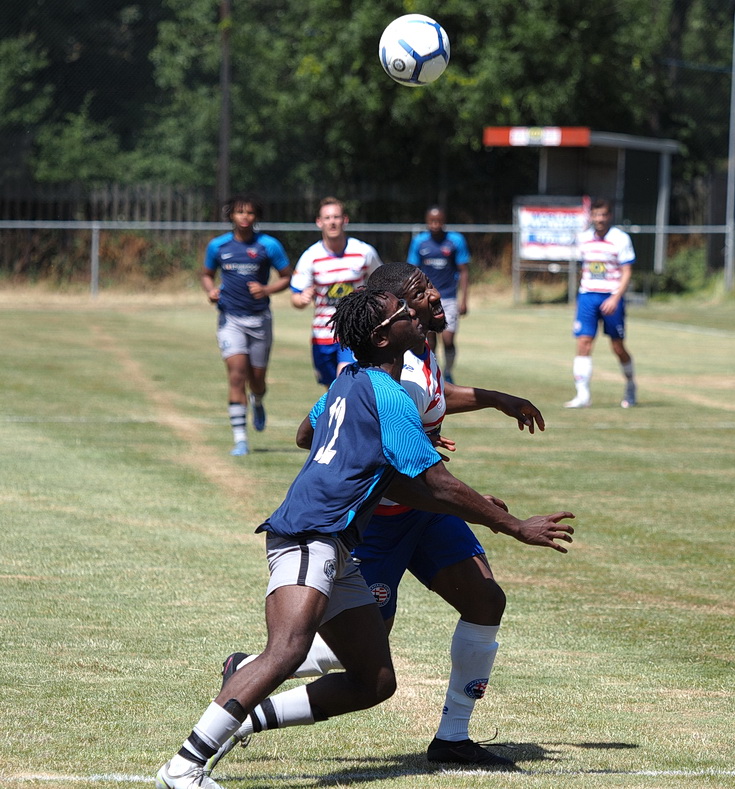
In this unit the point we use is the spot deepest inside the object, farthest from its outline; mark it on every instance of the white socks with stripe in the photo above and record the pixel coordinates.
(238, 420)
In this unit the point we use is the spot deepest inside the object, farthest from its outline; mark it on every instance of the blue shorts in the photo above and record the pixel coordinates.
(326, 358)
(589, 316)
(421, 542)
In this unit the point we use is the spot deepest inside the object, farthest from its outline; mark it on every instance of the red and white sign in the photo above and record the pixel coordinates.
(537, 136)
(550, 232)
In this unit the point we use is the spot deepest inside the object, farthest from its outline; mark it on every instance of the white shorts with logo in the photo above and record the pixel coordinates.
(321, 563)
(251, 335)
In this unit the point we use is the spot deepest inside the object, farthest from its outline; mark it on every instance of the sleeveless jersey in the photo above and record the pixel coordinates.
(333, 277)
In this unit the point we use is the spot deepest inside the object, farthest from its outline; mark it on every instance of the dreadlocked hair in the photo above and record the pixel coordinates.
(392, 278)
(354, 319)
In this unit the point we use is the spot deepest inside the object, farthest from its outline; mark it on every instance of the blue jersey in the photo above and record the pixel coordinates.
(440, 260)
(240, 263)
(366, 429)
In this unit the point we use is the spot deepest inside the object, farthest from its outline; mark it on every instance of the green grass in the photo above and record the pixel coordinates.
(130, 569)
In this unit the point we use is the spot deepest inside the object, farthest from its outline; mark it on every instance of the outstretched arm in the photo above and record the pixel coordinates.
(437, 490)
(461, 399)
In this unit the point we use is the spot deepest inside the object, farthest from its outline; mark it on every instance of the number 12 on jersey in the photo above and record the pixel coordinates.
(326, 452)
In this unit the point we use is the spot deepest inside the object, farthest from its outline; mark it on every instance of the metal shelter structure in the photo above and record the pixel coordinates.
(574, 160)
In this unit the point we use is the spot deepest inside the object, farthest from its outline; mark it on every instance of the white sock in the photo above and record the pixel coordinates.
(238, 420)
(290, 708)
(320, 661)
(628, 370)
(215, 727)
(473, 653)
(582, 371)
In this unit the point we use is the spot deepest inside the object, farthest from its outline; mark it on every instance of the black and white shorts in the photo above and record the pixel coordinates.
(322, 563)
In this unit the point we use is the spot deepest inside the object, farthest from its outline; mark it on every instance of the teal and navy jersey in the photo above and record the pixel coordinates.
(366, 429)
(240, 263)
(439, 260)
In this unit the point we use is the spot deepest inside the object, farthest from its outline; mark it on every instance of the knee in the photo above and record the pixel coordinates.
(385, 685)
(287, 657)
(494, 600)
(486, 606)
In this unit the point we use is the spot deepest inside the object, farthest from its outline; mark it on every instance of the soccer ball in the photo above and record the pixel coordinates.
(414, 50)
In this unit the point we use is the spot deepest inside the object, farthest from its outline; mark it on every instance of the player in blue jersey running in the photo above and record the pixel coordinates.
(444, 257)
(367, 439)
(244, 258)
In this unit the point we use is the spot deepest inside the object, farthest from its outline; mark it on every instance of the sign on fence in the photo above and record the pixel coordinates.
(547, 236)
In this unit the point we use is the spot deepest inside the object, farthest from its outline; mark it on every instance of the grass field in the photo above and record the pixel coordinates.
(129, 568)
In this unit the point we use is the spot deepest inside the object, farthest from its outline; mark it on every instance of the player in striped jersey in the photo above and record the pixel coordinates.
(607, 259)
(325, 273)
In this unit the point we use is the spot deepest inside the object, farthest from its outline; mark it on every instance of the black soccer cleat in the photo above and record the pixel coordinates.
(469, 753)
(229, 667)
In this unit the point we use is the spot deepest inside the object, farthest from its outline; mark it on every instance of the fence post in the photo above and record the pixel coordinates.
(94, 284)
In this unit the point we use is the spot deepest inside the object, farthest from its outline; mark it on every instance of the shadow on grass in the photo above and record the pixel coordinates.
(356, 770)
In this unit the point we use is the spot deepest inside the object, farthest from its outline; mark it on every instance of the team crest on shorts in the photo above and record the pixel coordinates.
(329, 569)
(476, 689)
(381, 593)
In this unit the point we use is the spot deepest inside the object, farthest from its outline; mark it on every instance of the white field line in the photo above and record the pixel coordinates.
(118, 778)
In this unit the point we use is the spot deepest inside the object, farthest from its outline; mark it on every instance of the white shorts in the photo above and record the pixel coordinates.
(322, 563)
(451, 315)
(251, 335)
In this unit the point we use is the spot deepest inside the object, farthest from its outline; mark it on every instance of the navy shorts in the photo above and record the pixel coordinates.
(326, 358)
(589, 316)
(421, 542)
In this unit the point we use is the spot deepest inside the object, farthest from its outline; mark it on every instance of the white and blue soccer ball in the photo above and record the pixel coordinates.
(414, 50)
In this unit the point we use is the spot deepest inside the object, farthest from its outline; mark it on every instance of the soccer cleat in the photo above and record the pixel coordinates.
(241, 448)
(629, 398)
(236, 739)
(193, 777)
(258, 415)
(578, 402)
(230, 664)
(449, 378)
(469, 753)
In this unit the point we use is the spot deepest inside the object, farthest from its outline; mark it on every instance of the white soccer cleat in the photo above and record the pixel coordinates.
(192, 777)
(578, 402)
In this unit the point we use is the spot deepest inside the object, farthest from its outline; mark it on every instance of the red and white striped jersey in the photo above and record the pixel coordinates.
(603, 258)
(333, 277)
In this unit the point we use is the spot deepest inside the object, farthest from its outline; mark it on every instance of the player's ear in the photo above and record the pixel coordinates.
(379, 337)
(346, 220)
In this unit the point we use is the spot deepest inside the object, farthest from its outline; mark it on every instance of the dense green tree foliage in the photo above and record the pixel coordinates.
(118, 91)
